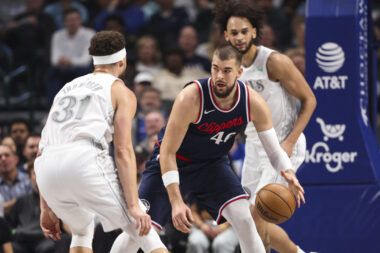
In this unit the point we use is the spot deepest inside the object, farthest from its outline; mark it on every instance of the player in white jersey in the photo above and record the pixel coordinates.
(75, 173)
(279, 82)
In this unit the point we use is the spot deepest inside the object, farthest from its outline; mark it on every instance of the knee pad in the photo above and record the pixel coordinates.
(84, 237)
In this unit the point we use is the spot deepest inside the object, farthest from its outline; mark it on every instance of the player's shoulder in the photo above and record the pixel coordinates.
(189, 94)
(119, 91)
(277, 60)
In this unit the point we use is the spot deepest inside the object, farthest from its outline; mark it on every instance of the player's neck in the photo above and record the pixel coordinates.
(250, 56)
(106, 70)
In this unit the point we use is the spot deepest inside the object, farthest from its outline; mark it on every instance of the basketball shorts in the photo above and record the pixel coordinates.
(258, 171)
(79, 180)
(212, 183)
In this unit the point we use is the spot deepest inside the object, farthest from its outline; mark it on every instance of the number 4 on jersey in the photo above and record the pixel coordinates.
(218, 138)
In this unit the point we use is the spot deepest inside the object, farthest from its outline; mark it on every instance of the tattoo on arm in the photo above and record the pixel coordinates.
(266, 242)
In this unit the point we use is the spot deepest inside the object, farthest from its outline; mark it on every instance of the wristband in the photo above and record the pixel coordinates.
(170, 177)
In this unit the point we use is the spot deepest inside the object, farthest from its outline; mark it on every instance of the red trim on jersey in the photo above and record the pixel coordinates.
(214, 101)
(227, 203)
(156, 225)
(183, 158)
(177, 155)
(201, 100)
(248, 104)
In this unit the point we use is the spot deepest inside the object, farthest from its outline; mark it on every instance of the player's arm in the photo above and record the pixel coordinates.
(49, 222)
(261, 118)
(124, 104)
(185, 111)
(281, 68)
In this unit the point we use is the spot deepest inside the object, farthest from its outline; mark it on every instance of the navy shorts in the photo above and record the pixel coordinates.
(212, 183)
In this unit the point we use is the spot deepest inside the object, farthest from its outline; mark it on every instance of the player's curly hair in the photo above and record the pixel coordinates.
(224, 9)
(106, 43)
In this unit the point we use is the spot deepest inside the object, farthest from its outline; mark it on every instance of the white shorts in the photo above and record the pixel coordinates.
(79, 180)
(257, 169)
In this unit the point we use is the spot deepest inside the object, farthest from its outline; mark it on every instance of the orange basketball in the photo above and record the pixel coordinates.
(275, 203)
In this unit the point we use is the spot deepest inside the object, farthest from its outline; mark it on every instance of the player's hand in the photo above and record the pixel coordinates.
(294, 186)
(287, 147)
(208, 230)
(50, 224)
(182, 217)
(142, 219)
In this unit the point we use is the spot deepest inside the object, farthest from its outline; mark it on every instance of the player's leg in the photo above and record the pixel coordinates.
(280, 240)
(124, 243)
(148, 243)
(238, 215)
(273, 235)
(59, 185)
(81, 224)
(154, 196)
(262, 228)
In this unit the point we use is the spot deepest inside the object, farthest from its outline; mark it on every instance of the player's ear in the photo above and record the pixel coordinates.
(240, 71)
(254, 33)
(226, 36)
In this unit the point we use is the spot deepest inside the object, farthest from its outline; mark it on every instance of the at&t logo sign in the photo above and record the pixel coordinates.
(321, 152)
(330, 58)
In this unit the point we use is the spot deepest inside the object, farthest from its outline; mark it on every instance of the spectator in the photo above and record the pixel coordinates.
(148, 55)
(204, 19)
(297, 55)
(154, 122)
(8, 10)
(9, 141)
(19, 130)
(149, 8)
(149, 100)
(216, 39)
(278, 20)
(205, 232)
(13, 183)
(298, 27)
(170, 80)
(30, 150)
(5, 237)
(34, 27)
(188, 41)
(132, 15)
(268, 38)
(57, 11)
(142, 80)
(24, 218)
(166, 24)
(69, 53)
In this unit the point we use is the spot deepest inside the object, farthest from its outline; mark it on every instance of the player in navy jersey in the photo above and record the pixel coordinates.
(191, 153)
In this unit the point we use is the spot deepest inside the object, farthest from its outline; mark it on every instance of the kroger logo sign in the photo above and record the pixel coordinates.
(330, 57)
(321, 151)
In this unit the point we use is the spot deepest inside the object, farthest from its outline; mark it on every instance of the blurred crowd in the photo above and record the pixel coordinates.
(169, 43)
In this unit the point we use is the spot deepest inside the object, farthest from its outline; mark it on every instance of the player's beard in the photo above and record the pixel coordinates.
(250, 44)
(223, 94)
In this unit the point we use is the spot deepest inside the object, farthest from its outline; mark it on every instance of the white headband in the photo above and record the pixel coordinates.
(108, 59)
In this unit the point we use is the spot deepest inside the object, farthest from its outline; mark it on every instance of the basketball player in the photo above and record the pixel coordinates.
(192, 152)
(279, 82)
(75, 172)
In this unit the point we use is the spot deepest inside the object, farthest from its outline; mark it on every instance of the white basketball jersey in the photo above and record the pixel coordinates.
(82, 109)
(282, 105)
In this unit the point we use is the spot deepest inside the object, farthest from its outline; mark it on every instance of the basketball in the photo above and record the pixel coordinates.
(275, 203)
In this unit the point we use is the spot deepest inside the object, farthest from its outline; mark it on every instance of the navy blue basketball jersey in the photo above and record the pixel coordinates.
(213, 134)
